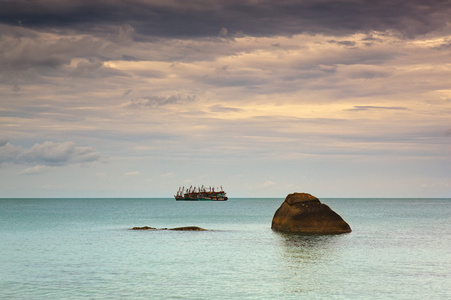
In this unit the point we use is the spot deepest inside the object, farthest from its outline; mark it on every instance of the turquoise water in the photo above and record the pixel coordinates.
(83, 248)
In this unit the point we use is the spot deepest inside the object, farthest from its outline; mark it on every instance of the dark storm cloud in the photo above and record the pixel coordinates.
(209, 18)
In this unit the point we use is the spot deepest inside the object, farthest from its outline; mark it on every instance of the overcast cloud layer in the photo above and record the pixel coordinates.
(204, 18)
(135, 98)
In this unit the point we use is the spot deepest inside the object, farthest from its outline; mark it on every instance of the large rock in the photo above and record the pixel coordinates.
(305, 214)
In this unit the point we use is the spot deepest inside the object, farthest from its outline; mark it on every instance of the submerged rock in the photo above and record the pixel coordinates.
(305, 214)
(187, 228)
(144, 228)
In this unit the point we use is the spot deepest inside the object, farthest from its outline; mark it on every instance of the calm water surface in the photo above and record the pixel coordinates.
(83, 248)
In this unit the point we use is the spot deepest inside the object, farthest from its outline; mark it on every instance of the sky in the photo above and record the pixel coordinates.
(116, 98)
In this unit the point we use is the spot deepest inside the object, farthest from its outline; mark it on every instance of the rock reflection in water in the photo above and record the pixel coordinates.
(307, 261)
(307, 249)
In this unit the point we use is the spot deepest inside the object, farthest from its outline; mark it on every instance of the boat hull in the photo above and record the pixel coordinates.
(189, 199)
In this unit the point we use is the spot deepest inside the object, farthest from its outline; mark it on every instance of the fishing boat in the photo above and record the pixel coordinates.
(200, 194)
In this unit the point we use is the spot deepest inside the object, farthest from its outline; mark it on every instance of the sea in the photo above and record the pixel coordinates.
(84, 249)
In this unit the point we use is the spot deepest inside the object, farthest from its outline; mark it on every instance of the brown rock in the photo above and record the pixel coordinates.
(305, 214)
(144, 228)
(189, 228)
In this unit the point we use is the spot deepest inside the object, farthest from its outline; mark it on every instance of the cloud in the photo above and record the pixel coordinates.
(156, 101)
(207, 18)
(343, 43)
(86, 69)
(126, 34)
(268, 183)
(44, 50)
(28, 54)
(169, 174)
(48, 154)
(59, 153)
(371, 107)
(223, 32)
(369, 74)
(446, 45)
(9, 153)
(223, 109)
(36, 170)
(132, 173)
